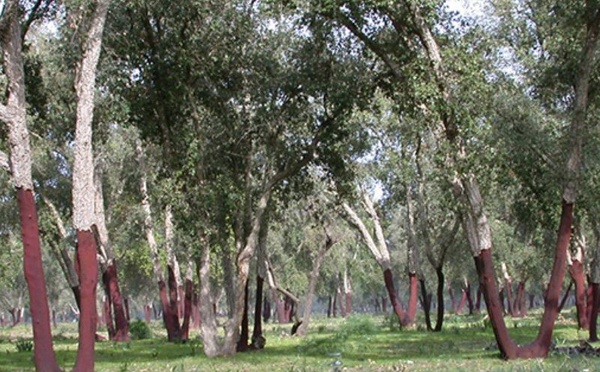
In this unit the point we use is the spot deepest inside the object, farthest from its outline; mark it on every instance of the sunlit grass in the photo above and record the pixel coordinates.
(358, 343)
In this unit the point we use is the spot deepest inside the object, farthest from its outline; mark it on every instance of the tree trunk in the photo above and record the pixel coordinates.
(396, 305)
(115, 298)
(187, 302)
(439, 322)
(594, 315)
(312, 283)
(83, 186)
(469, 298)
(565, 297)
(257, 333)
(426, 304)
(266, 311)
(210, 337)
(88, 278)
(411, 314)
(14, 115)
(242, 344)
(576, 270)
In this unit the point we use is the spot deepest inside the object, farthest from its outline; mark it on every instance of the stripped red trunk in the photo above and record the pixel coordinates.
(541, 346)
(181, 301)
(187, 309)
(396, 305)
(88, 280)
(44, 356)
(169, 314)
(565, 297)
(412, 299)
(107, 317)
(576, 270)
(173, 298)
(461, 302)
(589, 301)
(121, 331)
(487, 281)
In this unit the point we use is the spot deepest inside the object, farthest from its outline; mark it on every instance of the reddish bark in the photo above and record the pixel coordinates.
(589, 301)
(576, 270)
(461, 302)
(487, 281)
(169, 314)
(107, 318)
(115, 300)
(88, 280)
(173, 303)
(181, 303)
(594, 314)
(187, 309)
(411, 313)
(520, 308)
(396, 305)
(565, 297)
(44, 356)
(540, 347)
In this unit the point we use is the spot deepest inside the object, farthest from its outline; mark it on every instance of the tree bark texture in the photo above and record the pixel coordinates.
(312, 283)
(577, 273)
(44, 357)
(14, 115)
(88, 278)
(396, 305)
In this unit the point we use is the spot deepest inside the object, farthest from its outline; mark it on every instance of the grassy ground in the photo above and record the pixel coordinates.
(358, 343)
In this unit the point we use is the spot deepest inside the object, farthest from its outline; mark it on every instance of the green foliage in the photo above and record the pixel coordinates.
(24, 346)
(139, 330)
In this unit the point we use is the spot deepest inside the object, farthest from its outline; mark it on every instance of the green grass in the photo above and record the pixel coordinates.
(360, 343)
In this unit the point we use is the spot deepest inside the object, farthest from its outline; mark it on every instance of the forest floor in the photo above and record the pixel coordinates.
(357, 343)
